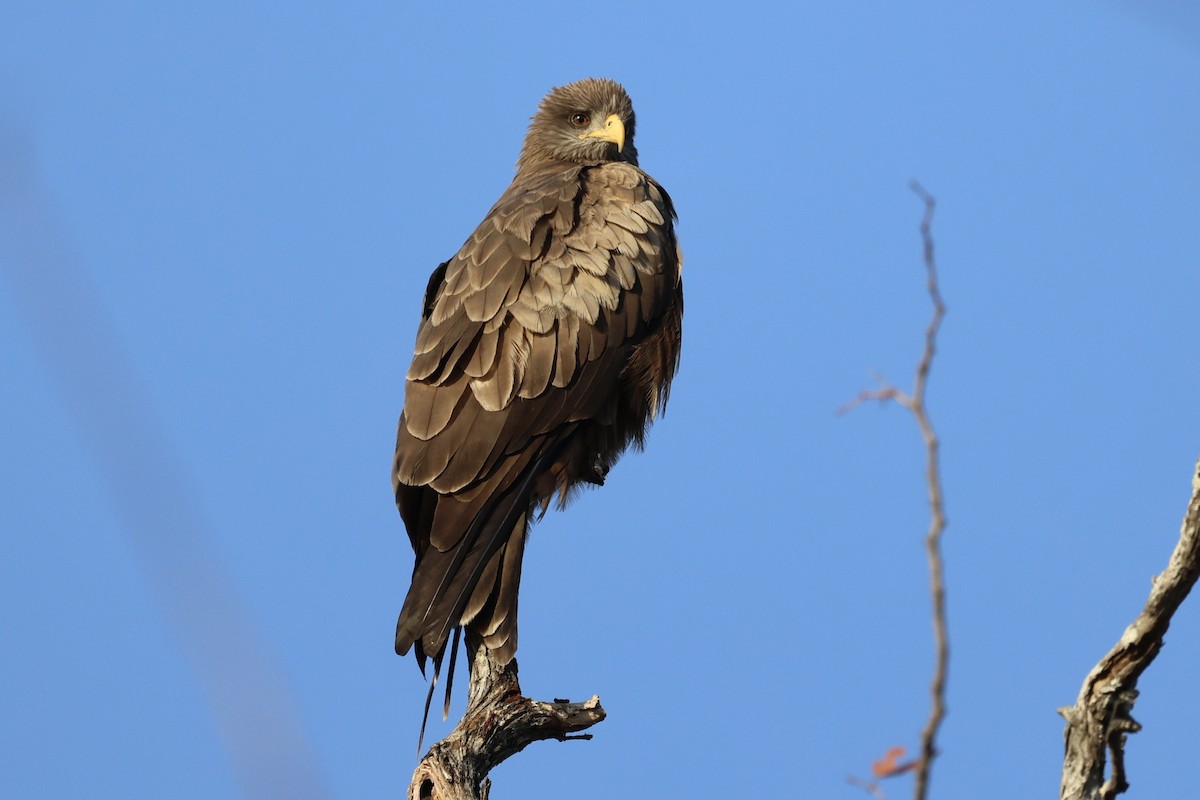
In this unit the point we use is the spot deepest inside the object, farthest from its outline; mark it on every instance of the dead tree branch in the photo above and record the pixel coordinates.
(937, 518)
(914, 402)
(1100, 720)
(499, 722)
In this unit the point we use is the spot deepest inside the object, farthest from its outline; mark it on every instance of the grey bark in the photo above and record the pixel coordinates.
(499, 722)
(1100, 720)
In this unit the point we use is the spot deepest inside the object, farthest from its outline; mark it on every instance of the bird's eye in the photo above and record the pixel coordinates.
(580, 120)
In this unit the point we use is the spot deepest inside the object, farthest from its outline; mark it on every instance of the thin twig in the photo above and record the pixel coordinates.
(871, 787)
(915, 404)
(937, 520)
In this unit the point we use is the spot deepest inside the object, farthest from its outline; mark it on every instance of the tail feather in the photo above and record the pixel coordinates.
(474, 527)
(493, 527)
(500, 632)
(475, 582)
(437, 668)
(450, 672)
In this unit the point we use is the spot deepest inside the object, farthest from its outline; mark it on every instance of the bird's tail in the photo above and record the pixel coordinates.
(490, 611)
(472, 578)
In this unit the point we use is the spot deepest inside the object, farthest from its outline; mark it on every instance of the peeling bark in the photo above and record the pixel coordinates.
(499, 722)
(1100, 720)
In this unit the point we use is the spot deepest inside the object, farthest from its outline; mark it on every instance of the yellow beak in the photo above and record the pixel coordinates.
(613, 131)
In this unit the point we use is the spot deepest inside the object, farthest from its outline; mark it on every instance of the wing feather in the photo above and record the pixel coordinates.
(567, 350)
(483, 358)
(539, 370)
(428, 407)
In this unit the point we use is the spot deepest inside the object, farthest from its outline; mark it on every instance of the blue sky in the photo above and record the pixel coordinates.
(216, 222)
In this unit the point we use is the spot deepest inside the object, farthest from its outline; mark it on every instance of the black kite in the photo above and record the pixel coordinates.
(546, 346)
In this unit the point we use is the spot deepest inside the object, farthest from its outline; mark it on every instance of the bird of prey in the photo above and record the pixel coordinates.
(546, 346)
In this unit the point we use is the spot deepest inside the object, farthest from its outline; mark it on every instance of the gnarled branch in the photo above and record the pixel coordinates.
(499, 722)
(1100, 719)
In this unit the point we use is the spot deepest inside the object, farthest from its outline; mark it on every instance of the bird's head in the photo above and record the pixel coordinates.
(583, 122)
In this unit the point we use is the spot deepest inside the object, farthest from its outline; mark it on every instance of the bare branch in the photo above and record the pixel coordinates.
(915, 403)
(871, 787)
(1100, 720)
(937, 519)
(499, 722)
(883, 394)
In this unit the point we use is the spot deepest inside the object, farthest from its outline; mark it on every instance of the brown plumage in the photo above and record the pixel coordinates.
(547, 344)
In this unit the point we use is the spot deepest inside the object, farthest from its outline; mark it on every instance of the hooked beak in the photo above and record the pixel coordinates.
(613, 131)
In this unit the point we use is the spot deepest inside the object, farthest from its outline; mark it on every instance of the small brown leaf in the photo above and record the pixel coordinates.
(887, 766)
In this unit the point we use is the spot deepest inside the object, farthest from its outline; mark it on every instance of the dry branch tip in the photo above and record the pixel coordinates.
(914, 402)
